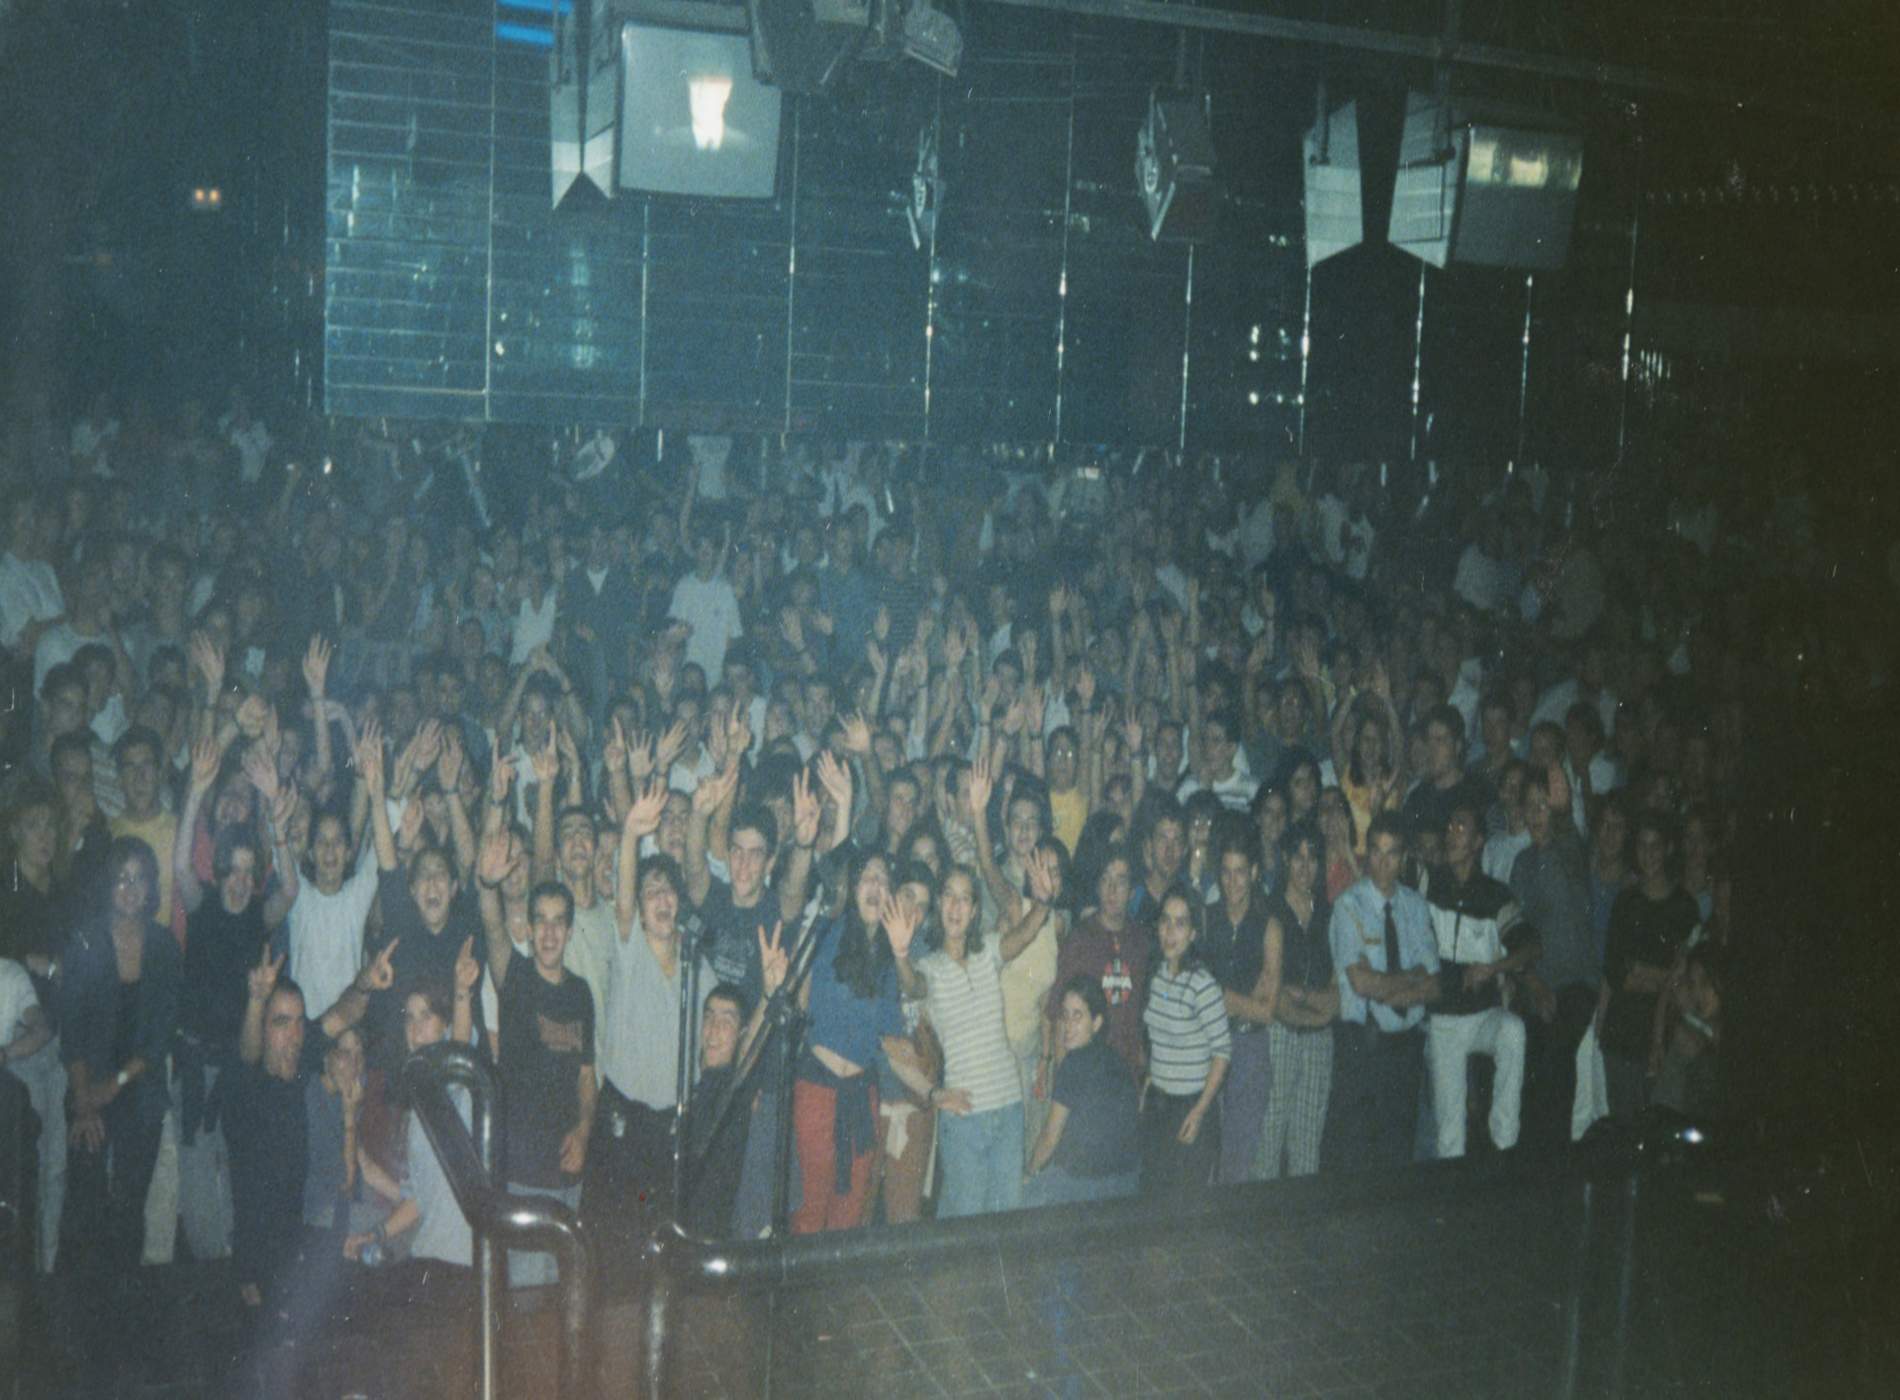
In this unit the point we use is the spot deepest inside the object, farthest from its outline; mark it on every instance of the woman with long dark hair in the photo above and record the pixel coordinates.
(1650, 924)
(1300, 1040)
(121, 979)
(1087, 1148)
(1189, 1046)
(861, 958)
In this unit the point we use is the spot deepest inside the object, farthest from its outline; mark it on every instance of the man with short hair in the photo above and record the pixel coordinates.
(1445, 783)
(546, 1059)
(704, 600)
(30, 598)
(139, 755)
(1386, 955)
(266, 1126)
(1551, 883)
(1163, 857)
(1222, 769)
(1481, 941)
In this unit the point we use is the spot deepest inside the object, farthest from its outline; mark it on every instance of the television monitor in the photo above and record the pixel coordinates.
(693, 119)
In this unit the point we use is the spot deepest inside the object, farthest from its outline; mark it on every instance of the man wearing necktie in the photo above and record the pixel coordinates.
(1387, 959)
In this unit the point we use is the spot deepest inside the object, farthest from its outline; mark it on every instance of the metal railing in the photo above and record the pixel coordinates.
(468, 1154)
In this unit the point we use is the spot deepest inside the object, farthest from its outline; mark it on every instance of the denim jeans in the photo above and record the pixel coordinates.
(982, 1161)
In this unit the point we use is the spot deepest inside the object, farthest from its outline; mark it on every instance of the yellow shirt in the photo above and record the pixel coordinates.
(1026, 983)
(158, 832)
(1070, 810)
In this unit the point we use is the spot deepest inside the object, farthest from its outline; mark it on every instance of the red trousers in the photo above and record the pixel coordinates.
(814, 1113)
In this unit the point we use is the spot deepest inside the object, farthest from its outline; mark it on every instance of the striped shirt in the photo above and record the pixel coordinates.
(965, 1002)
(1186, 1019)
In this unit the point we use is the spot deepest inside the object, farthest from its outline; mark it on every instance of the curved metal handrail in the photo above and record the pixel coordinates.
(493, 1212)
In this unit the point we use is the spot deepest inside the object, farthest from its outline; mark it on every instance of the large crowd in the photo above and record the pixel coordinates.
(1128, 826)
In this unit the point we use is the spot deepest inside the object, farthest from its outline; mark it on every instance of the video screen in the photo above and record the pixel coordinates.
(693, 119)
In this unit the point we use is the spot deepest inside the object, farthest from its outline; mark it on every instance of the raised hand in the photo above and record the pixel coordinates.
(982, 785)
(835, 779)
(881, 627)
(262, 773)
(857, 734)
(497, 859)
(409, 832)
(316, 666)
(900, 919)
(672, 744)
(738, 732)
(262, 979)
(714, 790)
(467, 971)
(380, 975)
(954, 648)
(448, 768)
(643, 817)
(774, 961)
(1045, 877)
(499, 780)
(369, 757)
(642, 756)
(874, 654)
(569, 753)
(207, 658)
(806, 809)
(206, 754)
(427, 744)
(546, 761)
(1131, 734)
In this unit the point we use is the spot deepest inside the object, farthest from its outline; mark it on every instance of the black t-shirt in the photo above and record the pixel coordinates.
(547, 1038)
(33, 924)
(1098, 1139)
(1306, 953)
(1642, 930)
(268, 1138)
(1430, 807)
(221, 948)
(713, 1191)
(731, 938)
(1235, 954)
(420, 956)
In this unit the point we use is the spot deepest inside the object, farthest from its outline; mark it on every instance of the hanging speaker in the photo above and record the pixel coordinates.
(1335, 206)
(1174, 170)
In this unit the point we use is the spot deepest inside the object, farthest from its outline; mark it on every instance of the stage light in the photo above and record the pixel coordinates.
(206, 199)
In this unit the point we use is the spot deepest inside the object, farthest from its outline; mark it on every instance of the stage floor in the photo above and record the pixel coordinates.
(1739, 1292)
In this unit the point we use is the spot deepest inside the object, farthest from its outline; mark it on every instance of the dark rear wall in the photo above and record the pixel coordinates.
(1044, 313)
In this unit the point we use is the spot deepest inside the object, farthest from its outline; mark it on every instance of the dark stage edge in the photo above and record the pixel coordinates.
(1735, 1295)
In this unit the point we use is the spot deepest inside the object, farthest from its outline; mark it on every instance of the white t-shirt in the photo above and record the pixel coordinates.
(326, 934)
(533, 627)
(711, 609)
(966, 1010)
(16, 999)
(253, 444)
(29, 592)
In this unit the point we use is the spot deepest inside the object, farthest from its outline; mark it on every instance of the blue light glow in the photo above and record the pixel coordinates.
(525, 34)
